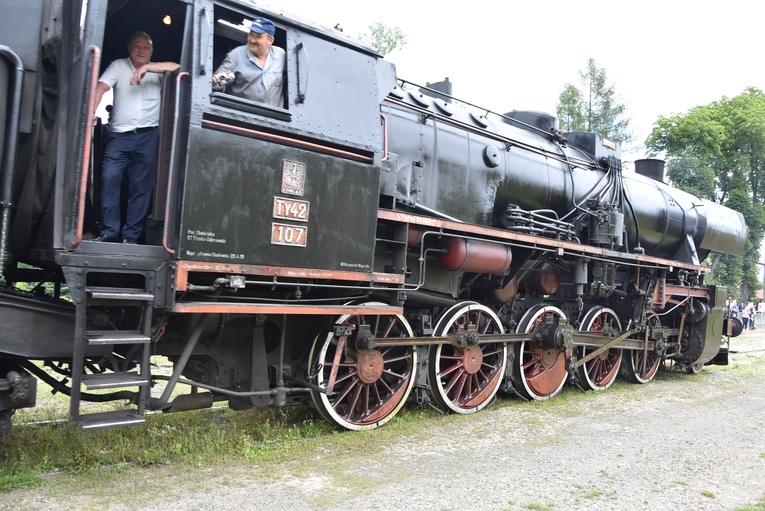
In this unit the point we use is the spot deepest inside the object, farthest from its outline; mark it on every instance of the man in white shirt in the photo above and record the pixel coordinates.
(134, 137)
(254, 71)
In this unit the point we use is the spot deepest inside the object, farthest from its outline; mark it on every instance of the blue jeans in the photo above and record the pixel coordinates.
(136, 154)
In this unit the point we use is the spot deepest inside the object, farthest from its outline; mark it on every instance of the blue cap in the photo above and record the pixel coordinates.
(260, 25)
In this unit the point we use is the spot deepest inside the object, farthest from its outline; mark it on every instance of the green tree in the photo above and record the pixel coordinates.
(694, 175)
(571, 109)
(384, 39)
(717, 151)
(593, 107)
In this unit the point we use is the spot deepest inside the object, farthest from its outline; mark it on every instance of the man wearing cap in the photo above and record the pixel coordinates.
(256, 70)
(132, 145)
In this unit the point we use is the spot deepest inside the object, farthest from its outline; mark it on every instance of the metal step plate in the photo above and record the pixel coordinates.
(104, 420)
(113, 380)
(119, 293)
(100, 337)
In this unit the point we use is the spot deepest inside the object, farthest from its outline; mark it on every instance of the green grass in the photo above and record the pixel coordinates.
(191, 437)
(539, 506)
(201, 438)
(758, 506)
(12, 480)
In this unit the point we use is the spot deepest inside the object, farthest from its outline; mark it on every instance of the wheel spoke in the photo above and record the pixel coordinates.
(354, 401)
(344, 393)
(343, 378)
(376, 389)
(458, 380)
(388, 388)
(395, 375)
(454, 367)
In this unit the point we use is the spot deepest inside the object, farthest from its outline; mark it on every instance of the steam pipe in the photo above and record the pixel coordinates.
(9, 158)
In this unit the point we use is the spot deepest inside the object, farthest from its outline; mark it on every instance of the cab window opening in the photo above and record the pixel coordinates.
(236, 81)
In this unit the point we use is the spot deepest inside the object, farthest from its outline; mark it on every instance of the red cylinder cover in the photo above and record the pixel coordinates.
(476, 256)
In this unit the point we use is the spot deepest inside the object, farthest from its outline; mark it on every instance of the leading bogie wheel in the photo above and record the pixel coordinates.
(369, 386)
(466, 379)
(641, 365)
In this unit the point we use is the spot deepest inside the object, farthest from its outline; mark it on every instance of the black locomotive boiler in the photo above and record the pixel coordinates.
(364, 244)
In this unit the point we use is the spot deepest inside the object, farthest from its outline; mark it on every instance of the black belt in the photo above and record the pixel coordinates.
(140, 130)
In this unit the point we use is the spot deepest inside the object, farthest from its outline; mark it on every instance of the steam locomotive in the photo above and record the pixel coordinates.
(367, 243)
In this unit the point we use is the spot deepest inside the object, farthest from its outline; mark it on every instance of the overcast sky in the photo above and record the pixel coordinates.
(664, 57)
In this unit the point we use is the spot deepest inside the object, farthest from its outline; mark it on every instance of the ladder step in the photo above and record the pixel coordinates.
(113, 380)
(104, 420)
(120, 293)
(99, 337)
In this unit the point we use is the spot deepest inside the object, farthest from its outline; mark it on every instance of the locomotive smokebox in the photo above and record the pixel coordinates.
(476, 256)
(651, 167)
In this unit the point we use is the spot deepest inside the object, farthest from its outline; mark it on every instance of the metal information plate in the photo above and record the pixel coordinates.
(291, 209)
(290, 235)
(293, 177)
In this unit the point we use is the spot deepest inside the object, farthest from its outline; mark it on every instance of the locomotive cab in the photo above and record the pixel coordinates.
(216, 150)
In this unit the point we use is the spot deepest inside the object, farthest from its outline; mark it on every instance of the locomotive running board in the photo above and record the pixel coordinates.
(321, 310)
(274, 272)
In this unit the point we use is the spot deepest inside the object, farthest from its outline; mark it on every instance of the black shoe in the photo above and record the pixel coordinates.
(106, 239)
(129, 241)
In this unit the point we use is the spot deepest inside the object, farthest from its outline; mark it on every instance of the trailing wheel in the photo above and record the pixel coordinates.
(368, 386)
(600, 372)
(539, 372)
(465, 379)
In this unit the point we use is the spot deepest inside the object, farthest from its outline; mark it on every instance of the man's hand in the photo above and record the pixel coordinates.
(138, 75)
(221, 80)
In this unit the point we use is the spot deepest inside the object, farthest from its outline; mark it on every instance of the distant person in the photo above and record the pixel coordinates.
(752, 316)
(133, 138)
(254, 71)
(745, 317)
